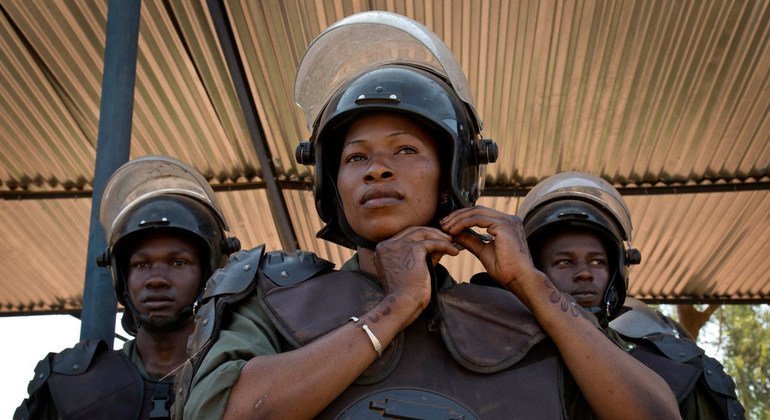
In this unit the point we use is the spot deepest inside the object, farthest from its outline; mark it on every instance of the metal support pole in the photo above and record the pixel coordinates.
(112, 150)
(275, 197)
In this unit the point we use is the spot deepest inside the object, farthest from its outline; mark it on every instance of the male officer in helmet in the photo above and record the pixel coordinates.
(579, 233)
(166, 234)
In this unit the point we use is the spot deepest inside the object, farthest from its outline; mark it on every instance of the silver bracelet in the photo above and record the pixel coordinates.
(372, 337)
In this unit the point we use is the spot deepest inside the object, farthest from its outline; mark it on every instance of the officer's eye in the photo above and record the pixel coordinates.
(137, 265)
(563, 262)
(179, 262)
(356, 157)
(598, 262)
(406, 150)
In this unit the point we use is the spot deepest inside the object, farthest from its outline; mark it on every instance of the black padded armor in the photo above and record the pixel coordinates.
(684, 366)
(92, 381)
(428, 369)
(298, 287)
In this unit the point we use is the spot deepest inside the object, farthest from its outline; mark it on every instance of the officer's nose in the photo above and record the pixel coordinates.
(583, 273)
(378, 170)
(158, 278)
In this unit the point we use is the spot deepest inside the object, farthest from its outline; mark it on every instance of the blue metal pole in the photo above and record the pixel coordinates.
(112, 150)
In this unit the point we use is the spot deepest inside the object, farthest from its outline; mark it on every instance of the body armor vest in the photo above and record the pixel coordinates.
(92, 381)
(483, 356)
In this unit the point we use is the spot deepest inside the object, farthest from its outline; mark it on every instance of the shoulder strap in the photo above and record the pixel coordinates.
(681, 375)
(39, 394)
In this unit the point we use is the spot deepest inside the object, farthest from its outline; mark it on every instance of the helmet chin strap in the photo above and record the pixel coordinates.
(166, 325)
(349, 232)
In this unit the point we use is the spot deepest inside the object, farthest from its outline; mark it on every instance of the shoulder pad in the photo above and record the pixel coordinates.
(234, 277)
(77, 360)
(42, 373)
(716, 378)
(723, 388)
(638, 323)
(287, 269)
(679, 349)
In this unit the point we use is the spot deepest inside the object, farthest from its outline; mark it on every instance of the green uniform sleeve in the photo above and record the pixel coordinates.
(246, 332)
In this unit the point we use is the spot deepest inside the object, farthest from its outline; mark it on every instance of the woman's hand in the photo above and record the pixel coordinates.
(402, 268)
(506, 257)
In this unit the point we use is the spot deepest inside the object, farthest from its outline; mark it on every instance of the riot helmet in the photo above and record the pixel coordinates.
(581, 200)
(379, 61)
(158, 194)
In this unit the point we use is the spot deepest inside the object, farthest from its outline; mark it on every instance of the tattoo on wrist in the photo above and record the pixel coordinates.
(560, 298)
(384, 311)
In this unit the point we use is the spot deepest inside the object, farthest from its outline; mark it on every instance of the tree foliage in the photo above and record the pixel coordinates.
(739, 337)
(746, 349)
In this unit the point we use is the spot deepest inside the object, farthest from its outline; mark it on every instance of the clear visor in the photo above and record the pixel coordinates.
(147, 177)
(365, 41)
(582, 186)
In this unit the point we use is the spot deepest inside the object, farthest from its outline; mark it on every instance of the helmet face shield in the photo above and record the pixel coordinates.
(583, 186)
(363, 42)
(146, 177)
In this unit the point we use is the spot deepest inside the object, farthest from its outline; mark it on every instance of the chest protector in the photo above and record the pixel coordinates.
(483, 356)
(92, 381)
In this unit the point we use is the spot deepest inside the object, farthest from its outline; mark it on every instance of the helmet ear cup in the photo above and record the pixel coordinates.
(305, 153)
(103, 259)
(487, 151)
(633, 256)
(231, 245)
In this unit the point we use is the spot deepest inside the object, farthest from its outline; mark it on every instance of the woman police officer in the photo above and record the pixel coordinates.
(397, 149)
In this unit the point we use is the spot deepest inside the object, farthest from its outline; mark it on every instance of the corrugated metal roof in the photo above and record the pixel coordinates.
(650, 95)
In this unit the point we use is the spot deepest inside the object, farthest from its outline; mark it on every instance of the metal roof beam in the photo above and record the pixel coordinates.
(275, 196)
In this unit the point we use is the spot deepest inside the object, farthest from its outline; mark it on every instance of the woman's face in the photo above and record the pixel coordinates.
(389, 175)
